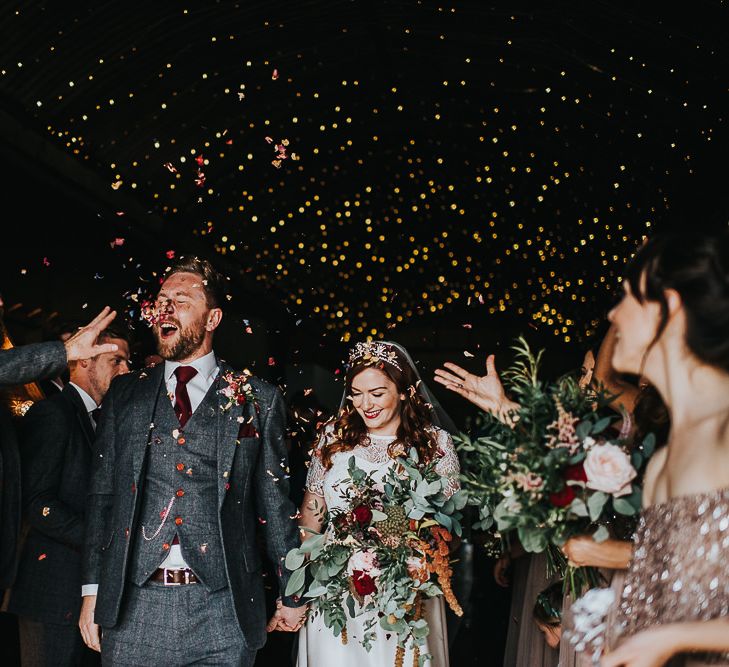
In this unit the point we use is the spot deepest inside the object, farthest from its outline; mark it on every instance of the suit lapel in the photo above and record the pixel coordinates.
(81, 414)
(144, 403)
(228, 425)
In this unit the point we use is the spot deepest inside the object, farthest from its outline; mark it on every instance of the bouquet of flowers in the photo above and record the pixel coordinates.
(556, 470)
(385, 553)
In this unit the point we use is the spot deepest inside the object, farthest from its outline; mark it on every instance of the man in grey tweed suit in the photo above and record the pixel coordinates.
(189, 462)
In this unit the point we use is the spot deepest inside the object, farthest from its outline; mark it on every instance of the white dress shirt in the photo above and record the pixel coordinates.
(207, 370)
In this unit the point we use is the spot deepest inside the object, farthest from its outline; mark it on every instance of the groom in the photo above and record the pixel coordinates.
(189, 463)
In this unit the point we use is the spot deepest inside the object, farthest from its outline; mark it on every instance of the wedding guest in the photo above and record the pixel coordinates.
(547, 614)
(21, 365)
(525, 646)
(189, 463)
(672, 327)
(56, 451)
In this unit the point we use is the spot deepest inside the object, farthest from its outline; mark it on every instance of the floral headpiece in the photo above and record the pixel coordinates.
(373, 352)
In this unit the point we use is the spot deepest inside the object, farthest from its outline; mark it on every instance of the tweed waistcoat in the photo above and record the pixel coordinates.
(180, 494)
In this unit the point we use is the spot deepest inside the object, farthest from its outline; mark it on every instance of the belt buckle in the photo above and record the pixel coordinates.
(171, 583)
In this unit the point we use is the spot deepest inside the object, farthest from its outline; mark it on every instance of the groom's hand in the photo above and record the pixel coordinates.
(89, 629)
(287, 619)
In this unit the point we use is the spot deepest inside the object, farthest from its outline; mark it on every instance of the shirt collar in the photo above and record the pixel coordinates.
(89, 403)
(206, 366)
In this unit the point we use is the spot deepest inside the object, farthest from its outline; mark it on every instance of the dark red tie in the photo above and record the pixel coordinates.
(183, 407)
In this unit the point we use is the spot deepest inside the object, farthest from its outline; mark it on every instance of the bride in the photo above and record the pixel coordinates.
(385, 411)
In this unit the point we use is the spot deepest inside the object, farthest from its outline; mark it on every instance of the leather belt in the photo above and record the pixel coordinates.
(174, 577)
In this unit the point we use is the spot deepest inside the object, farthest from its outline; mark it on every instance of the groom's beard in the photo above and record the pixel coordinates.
(183, 344)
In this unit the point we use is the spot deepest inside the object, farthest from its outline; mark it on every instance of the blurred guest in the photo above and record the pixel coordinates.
(56, 450)
(672, 327)
(21, 365)
(547, 614)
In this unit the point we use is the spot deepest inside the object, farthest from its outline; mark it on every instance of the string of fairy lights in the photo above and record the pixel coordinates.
(435, 157)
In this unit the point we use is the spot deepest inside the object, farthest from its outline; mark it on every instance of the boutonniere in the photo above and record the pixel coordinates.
(237, 389)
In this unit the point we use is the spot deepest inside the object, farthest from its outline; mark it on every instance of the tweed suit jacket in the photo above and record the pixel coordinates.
(29, 363)
(252, 492)
(57, 438)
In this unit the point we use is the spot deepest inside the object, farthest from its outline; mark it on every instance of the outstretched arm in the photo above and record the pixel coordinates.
(29, 363)
(485, 391)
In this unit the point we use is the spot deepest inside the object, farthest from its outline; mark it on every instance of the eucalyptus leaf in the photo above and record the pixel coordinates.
(622, 506)
(578, 507)
(296, 582)
(532, 539)
(595, 504)
(312, 543)
(294, 559)
(378, 516)
(583, 429)
(316, 591)
(601, 425)
(601, 534)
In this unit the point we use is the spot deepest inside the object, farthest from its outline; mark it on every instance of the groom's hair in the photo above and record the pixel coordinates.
(213, 282)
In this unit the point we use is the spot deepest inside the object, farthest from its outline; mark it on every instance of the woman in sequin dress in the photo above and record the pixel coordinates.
(387, 411)
(673, 328)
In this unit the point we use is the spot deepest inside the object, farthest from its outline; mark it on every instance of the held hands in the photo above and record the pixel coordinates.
(89, 629)
(485, 391)
(82, 345)
(287, 619)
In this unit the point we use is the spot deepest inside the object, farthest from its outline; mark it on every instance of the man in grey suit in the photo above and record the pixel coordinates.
(189, 462)
(18, 366)
(57, 439)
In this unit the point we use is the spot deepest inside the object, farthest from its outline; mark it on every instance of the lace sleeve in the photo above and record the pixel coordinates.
(316, 473)
(448, 465)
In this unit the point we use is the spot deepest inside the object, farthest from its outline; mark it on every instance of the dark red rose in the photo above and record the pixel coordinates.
(363, 583)
(575, 473)
(241, 399)
(362, 514)
(562, 498)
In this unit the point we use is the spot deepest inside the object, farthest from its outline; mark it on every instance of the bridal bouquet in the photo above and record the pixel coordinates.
(385, 553)
(556, 471)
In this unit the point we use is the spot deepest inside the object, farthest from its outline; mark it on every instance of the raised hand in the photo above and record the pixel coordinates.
(485, 391)
(82, 345)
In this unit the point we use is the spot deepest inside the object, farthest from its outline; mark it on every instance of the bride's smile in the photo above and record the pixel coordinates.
(376, 399)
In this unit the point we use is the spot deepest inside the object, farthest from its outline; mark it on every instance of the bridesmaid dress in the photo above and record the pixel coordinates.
(680, 569)
(532, 649)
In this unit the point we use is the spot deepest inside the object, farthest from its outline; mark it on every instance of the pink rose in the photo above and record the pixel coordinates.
(364, 561)
(609, 470)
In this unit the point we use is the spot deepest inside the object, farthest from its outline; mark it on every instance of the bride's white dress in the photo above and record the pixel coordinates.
(318, 647)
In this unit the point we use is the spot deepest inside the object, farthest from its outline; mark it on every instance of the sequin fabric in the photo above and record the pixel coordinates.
(680, 567)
